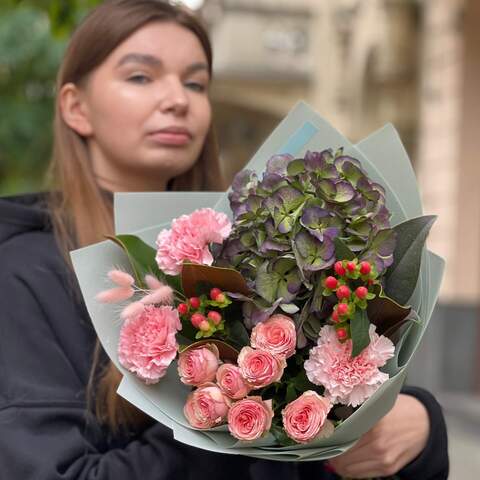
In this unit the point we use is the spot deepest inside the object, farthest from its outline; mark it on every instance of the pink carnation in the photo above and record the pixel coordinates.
(348, 380)
(250, 418)
(189, 239)
(206, 407)
(276, 334)
(147, 342)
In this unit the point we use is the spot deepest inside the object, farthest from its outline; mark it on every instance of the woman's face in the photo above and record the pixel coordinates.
(147, 108)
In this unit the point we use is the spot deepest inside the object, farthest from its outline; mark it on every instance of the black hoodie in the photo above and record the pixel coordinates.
(46, 345)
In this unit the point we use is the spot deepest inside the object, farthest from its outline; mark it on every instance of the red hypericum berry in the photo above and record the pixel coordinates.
(204, 326)
(182, 308)
(214, 293)
(365, 268)
(194, 302)
(331, 283)
(339, 270)
(335, 316)
(342, 308)
(215, 317)
(341, 333)
(361, 292)
(343, 292)
(197, 319)
(351, 266)
(370, 281)
(221, 298)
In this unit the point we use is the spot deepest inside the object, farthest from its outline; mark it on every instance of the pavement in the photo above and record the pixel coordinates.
(462, 413)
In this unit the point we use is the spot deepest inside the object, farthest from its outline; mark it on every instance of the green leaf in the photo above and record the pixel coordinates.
(359, 327)
(291, 393)
(289, 308)
(402, 276)
(342, 252)
(142, 260)
(301, 382)
(237, 333)
(281, 436)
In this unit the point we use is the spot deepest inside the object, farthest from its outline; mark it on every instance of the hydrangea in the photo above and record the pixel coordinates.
(285, 224)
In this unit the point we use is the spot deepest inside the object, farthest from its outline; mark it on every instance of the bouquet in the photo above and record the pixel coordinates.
(275, 320)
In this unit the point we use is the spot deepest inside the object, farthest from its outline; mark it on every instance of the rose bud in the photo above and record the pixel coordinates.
(230, 380)
(277, 335)
(260, 367)
(206, 407)
(250, 418)
(198, 365)
(305, 417)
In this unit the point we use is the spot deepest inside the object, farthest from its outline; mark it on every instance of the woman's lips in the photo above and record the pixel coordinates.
(171, 136)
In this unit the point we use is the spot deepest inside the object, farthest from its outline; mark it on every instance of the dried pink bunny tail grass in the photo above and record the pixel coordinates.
(121, 278)
(115, 295)
(152, 282)
(132, 310)
(163, 294)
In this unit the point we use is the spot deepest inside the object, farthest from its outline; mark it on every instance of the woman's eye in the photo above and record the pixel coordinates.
(196, 86)
(139, 78)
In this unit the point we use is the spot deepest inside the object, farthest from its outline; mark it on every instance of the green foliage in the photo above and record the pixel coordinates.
(33, 35)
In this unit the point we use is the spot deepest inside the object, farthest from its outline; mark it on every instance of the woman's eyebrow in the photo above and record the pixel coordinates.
(154, 61)
(195, 67)
(150, 60)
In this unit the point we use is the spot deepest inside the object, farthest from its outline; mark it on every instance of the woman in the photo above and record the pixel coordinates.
(132, 114)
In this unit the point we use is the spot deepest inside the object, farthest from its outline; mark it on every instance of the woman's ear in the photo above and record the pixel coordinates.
(74, 110)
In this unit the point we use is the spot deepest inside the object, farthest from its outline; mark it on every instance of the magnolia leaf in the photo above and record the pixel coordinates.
(396, 332)
(227, 352)
(226, 279)
(359, 329)
(142, 260)
(402, 276)
(385, 313)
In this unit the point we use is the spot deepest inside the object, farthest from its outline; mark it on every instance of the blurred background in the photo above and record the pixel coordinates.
(360, 63)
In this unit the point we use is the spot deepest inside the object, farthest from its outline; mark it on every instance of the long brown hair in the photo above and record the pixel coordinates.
(81, 212)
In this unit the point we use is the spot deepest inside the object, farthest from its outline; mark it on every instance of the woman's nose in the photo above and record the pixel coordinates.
(174, 98)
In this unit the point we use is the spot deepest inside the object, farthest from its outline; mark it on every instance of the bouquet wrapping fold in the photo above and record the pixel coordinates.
(144, 215)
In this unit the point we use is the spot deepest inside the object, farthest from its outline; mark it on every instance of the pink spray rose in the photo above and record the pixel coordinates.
(206, 407)
(198, 365)
(277, 335)
(250, 418)
(259, 367)
(230, 380)
(189, 239)
(147, 343)
(304, 418)
(348, 380)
